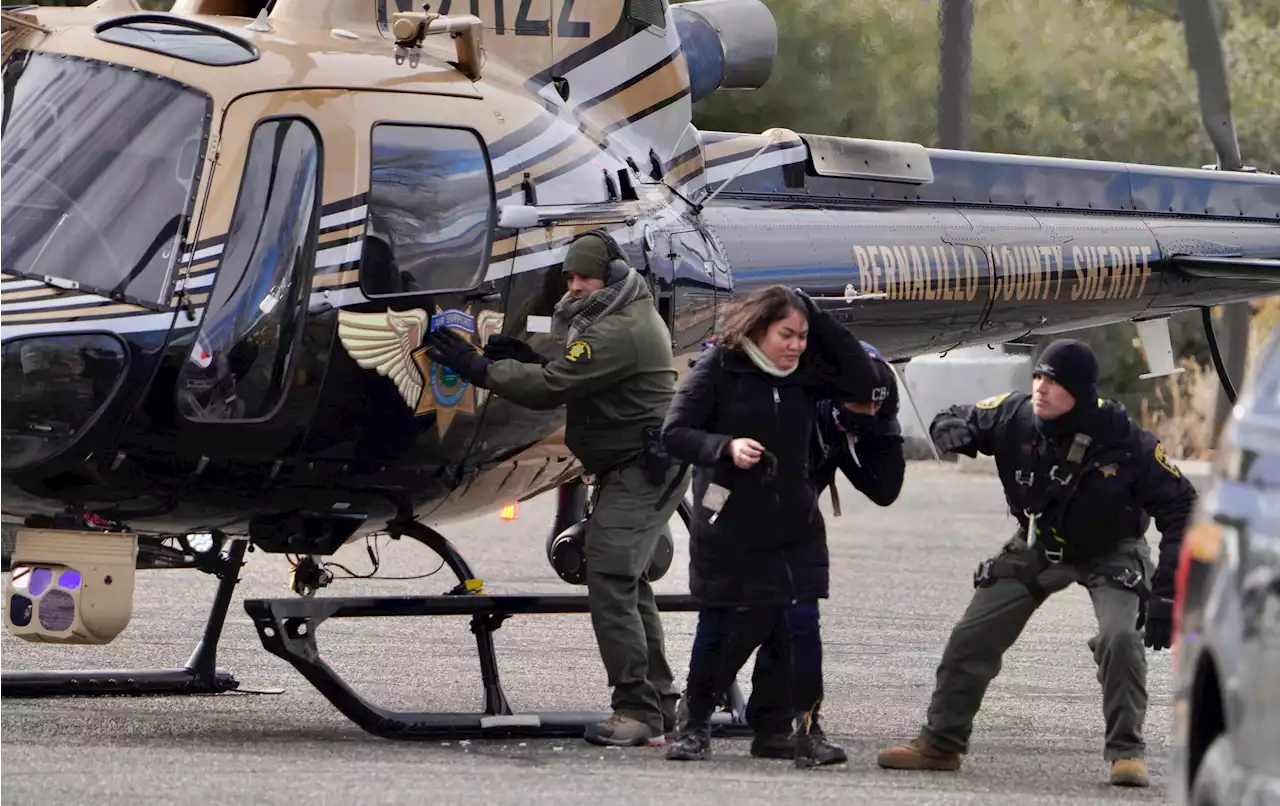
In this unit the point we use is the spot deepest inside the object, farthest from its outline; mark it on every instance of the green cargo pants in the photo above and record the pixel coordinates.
(994, 620)
(621, 536)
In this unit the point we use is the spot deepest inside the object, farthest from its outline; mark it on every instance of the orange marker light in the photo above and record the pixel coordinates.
(510, 512)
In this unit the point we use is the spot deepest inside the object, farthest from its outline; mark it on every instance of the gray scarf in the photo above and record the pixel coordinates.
(573, 316)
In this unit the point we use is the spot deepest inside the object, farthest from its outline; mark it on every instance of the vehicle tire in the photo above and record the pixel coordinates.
(1212, 786)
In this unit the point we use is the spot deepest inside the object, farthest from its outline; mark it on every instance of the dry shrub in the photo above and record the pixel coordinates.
(1182, 413)
(1265, 319)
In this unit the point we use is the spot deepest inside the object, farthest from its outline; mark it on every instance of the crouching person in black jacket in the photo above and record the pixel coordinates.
(867, 448)
(744, 418)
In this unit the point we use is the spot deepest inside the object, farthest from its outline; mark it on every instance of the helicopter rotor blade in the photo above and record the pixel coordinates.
(1204, 52)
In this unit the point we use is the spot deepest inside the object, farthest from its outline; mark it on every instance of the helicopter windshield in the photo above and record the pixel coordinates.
(99, 164)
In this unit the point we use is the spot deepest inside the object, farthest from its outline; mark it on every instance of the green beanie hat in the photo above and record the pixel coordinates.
(588, 257)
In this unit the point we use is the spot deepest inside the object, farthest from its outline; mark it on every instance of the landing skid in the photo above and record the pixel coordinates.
(200, 675)
(288, 630)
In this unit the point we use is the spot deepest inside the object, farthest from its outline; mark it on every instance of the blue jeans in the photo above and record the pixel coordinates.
(787, 679)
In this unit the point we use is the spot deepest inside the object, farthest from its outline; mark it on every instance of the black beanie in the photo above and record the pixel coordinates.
(1073, 365)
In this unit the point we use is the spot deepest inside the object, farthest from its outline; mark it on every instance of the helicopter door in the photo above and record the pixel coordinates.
(699, 281)
(427, 234)
(250, 374)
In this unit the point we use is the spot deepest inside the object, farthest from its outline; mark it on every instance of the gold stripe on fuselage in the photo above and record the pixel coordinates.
(356, 230)
(684, 169)
(341, 279)
(67, 314)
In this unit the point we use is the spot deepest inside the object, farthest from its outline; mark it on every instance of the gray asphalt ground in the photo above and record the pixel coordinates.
(900, 578)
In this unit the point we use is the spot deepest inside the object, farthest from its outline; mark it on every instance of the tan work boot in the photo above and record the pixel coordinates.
(918, 754)
(1129, 772)
(622, 731)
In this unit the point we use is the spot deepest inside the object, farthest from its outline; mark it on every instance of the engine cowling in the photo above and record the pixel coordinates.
(728, 44)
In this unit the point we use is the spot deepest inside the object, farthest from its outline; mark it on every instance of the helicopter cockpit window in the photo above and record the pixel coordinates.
(431, 203)
(183, 39)
(242, 359)
(100, 170)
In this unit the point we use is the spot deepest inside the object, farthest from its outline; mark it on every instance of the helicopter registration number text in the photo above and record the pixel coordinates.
(525, 23)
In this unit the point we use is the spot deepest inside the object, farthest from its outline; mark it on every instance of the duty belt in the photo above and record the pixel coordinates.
(1132, 580)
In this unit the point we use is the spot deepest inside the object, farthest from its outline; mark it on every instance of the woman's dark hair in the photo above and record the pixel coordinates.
(749, 316)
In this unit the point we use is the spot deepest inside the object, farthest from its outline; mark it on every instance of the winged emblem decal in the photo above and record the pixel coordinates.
(385, 342)
(390, 343)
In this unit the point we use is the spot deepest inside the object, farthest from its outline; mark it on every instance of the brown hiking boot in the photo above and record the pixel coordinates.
(1129, 772)
(918, 754)
(622, 731)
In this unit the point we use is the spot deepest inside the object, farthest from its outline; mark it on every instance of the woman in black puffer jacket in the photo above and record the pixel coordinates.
(744, 417)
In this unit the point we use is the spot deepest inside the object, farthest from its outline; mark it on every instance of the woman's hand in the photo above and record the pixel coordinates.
(745, 452)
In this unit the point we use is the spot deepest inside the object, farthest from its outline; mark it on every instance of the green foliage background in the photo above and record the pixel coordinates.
(1093, 79)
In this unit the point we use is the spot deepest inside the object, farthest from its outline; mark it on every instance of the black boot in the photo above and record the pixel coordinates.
(773, 745)
(693, 743)
(813, 748)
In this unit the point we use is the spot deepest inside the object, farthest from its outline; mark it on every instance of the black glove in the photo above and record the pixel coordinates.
(1159, 623)
(448, 349)
(859, 425)
(884, 393)
(502, 347)
(951, 434)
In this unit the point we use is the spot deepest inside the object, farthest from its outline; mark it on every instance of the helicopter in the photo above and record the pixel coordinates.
(229, 227)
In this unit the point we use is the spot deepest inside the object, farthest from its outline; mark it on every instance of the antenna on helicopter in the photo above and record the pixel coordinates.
(773, 134)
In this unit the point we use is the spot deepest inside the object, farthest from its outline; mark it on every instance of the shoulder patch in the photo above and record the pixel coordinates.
(1163, 459)
(579, 352)
(992, 402)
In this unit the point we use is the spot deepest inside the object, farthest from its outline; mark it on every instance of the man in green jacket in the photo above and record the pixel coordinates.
(616, 377)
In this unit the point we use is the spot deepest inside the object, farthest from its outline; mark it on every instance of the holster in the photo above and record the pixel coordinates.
(1002, 567)
(1132, 580)
(653, 460)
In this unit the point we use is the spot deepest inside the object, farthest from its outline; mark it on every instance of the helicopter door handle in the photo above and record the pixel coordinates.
(483, 296)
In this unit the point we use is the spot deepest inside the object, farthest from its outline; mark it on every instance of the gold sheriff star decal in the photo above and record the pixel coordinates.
(390, 343)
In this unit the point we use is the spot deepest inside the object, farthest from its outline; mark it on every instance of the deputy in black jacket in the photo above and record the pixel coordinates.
(1083, 481)
(758, 556)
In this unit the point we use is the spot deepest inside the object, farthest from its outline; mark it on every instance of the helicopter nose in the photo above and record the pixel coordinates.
(54, 386)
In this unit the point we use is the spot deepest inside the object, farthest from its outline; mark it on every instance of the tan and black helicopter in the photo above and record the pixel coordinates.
(227, 229)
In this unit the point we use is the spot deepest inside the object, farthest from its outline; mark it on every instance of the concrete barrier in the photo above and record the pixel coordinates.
(962, 376)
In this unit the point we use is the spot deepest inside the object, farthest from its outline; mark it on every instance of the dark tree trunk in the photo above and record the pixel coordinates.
(955, 90)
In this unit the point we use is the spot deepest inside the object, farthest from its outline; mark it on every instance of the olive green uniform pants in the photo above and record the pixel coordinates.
(621, 536)
(994, 620)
